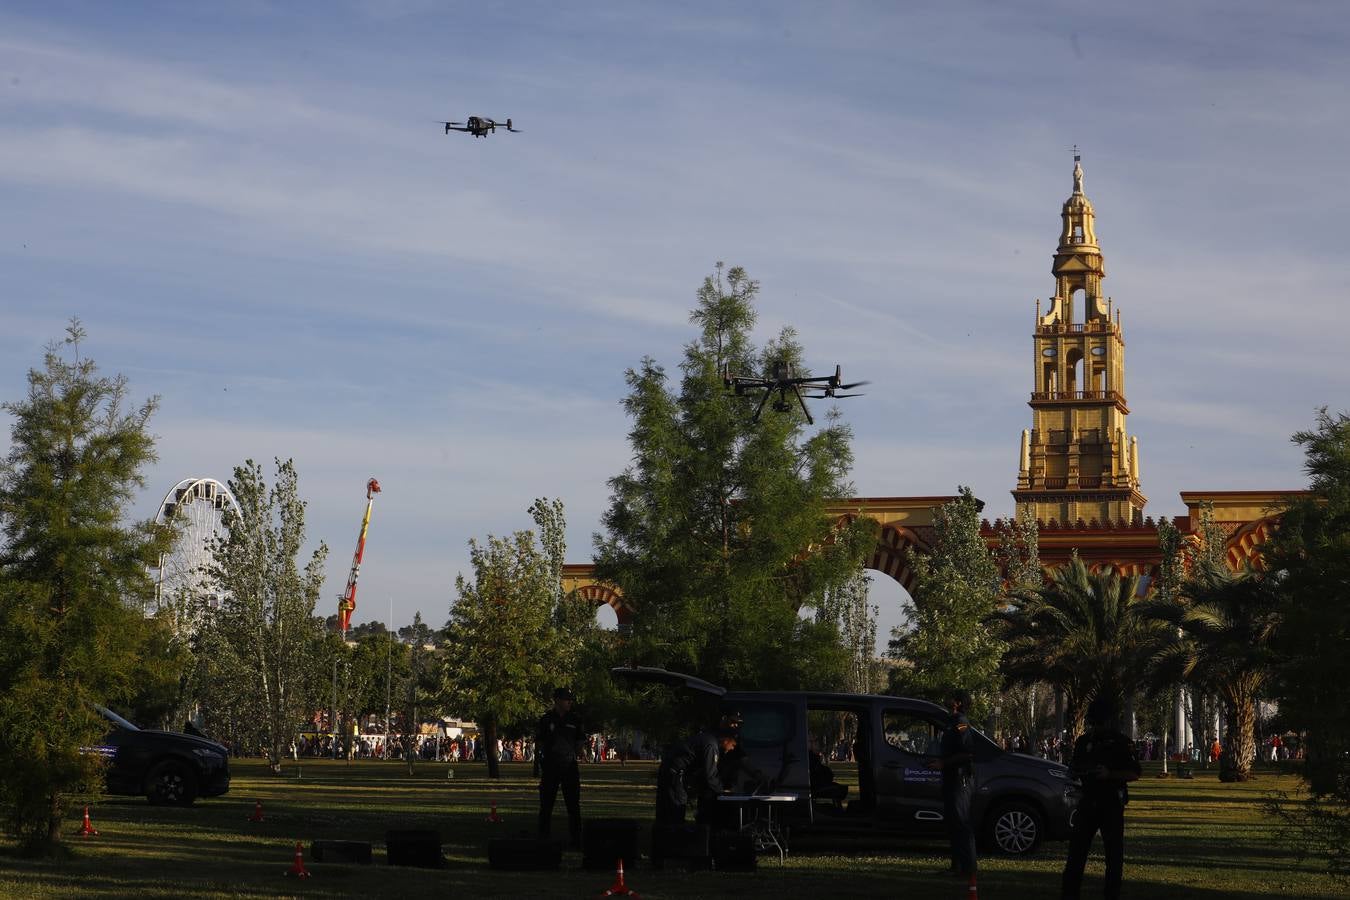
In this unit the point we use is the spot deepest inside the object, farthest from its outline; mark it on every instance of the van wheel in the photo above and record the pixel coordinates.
(1014, 828)
(171, 783)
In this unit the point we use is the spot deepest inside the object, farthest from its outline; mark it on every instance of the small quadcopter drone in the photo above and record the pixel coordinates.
(784, 380)
(478, 126)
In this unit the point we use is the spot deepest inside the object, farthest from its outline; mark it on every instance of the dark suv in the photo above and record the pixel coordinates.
(165, 766)
(1018, 800)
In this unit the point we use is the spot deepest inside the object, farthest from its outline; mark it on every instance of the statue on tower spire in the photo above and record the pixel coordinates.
(1077, 171)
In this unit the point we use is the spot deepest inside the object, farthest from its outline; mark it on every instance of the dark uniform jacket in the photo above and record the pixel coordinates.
(957, 739)
(696, 761)
(1106, 748)
(558, 739)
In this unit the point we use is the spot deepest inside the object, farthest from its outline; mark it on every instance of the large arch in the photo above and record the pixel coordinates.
(906, 525)
(580, 577)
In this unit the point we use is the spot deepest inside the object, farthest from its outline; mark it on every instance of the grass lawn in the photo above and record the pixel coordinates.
(1183, 839)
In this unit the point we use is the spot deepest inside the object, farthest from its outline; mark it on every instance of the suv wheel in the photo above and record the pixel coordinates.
(171, 783)
(1014, 828)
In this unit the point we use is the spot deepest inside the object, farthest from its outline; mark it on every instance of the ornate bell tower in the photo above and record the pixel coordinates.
(1078, 462)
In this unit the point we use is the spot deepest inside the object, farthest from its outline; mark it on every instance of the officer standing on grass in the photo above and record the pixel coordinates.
(1104, 760)
(957, 764)
(557, 741)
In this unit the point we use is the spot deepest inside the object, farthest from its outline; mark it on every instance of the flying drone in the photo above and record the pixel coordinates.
(479, 126)
(783, 379)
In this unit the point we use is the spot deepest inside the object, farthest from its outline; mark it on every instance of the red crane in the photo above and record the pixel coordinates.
(347, 602)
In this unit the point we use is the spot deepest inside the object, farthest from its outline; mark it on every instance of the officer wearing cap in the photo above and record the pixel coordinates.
(957, 764)
(1104, 760)
(557, 741)
(692, 766)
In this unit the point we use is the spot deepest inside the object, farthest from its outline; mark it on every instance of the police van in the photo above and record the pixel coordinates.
(1017, 801)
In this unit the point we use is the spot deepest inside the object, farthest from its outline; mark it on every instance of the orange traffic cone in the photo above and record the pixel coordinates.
(87, 829)
(298, 867)
(618, 888)
(492, 814)
(972, 892)
(257, 812)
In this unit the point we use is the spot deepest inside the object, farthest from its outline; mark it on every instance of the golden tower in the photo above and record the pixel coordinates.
(1078, 462)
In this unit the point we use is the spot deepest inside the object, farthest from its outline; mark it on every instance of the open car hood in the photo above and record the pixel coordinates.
(653, 675)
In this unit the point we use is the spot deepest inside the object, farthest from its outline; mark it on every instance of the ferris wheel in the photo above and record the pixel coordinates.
(196, 507)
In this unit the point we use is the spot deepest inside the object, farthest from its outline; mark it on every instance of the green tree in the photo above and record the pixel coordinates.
(855, 619)
(73, 581)
(1219, 636)
(265, 630)
(1018, 555)
(1082, 633)
(717, 532)
(503, 647)
(418, 688)
(948, 641)
(1310, 553)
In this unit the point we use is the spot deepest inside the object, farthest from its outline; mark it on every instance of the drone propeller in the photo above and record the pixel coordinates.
(847, 387)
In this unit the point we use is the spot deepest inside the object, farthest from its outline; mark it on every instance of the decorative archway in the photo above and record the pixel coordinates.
(580, 577)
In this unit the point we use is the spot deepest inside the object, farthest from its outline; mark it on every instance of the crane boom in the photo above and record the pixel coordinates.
(347, 602)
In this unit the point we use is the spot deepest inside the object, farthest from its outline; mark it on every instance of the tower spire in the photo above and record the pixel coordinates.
(1078, 462)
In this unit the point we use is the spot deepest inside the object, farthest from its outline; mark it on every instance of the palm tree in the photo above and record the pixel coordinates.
(1219, 635)
(1082, 633)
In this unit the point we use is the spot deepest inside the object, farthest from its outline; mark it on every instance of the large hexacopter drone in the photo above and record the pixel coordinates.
(783, 380)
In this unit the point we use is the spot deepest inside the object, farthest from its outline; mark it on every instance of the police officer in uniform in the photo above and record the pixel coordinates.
(557, 741)
(1104, 760)
(957, 764)
(692, 765)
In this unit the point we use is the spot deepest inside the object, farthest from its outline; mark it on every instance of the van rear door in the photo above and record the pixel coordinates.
(653, 675)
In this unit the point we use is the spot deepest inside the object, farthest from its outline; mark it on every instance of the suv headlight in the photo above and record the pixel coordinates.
(207, 754)
(1058, 773)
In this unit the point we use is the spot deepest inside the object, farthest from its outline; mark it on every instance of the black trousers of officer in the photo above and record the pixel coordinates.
(568, 777)
(1109, 819)
(956, 810)
(671, 796)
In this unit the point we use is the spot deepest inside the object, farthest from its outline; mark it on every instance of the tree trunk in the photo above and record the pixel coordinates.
(56, 811)
(490, 748)
(1239, 740)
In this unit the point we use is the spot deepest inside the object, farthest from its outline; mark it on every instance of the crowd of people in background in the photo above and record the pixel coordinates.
(430, 748)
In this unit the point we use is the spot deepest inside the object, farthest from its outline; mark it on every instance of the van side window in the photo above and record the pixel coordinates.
(911, 732)
(765, 724)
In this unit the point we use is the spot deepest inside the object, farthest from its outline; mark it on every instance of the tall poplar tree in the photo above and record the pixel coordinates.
(505, 645)
(73, 581)
(948, 642)
(264, 633)
(717, 532)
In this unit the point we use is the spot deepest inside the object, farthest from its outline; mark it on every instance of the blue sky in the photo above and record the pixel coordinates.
(254, 211)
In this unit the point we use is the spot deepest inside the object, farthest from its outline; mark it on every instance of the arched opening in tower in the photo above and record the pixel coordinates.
(1074, 362)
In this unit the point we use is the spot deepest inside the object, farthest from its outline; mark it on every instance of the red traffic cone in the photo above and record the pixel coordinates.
(618, 888)
(298, 867)
(492, 814)
(972, 892)
(87, 829)
(257, 812)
